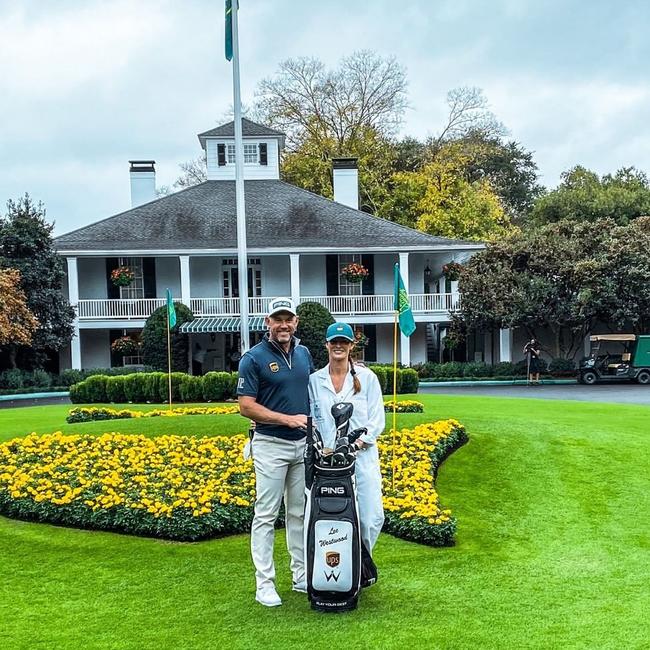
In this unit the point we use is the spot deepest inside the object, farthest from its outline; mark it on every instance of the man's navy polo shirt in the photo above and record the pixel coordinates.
(277, 380)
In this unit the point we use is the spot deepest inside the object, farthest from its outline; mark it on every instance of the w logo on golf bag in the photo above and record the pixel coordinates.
(332, 576)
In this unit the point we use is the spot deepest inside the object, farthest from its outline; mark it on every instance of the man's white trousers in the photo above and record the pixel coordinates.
(279, 472)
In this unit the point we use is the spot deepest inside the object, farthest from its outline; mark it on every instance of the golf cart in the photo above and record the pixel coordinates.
(630, 361)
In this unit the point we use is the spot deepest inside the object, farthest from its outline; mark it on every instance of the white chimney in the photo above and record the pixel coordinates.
(346, 181)
(143, 181)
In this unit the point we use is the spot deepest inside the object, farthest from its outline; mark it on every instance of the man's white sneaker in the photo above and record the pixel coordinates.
(300, 587)
(268, 597)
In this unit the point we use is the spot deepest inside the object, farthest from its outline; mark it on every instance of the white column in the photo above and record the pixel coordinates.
(505, 345)
(586, 345)
(185, 279)
(294, 259)
(73, 297)
(405, 343)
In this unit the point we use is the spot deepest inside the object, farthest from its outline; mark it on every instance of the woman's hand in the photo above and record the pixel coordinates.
(360, 444)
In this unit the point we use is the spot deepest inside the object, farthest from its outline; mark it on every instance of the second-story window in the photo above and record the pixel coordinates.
(251, 154)
(136, 289)
(231, 278)
(347, 288)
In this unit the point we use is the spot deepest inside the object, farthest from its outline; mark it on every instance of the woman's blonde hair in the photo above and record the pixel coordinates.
(355, 380)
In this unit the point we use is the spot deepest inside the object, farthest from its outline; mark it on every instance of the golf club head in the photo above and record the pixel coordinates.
(342, 412)
(357, 433)
(338, 459)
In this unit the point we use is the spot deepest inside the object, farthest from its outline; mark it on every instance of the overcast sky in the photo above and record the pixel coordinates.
(87, 85)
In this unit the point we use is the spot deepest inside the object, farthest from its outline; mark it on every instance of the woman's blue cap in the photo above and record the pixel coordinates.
(339, 331)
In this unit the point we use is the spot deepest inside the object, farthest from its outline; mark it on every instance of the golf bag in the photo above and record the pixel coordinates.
(337, 563)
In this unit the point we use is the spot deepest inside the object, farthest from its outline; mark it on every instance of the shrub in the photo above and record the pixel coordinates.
(212, 387)
(163, 386)
(231, 391)
(410, 381)
(380, 371)
(191, 389)
(134, 387)
(154, 339)
(449, 370)
(562, 367)
(314, 321)
(150, 388)
(71, 376)
(504, 369)
(79, 393)
(115, 389)
(426, 370)
(96, 388)
(389, 380)
(477, 369)
(13, 378)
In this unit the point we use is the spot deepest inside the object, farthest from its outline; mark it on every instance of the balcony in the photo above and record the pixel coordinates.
(142, 308)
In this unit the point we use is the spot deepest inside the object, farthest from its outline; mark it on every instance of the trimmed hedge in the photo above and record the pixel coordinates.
(454, 370)
(407, 379)
(152, 387)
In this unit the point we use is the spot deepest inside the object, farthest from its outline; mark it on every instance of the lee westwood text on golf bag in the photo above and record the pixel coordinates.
(337, 563)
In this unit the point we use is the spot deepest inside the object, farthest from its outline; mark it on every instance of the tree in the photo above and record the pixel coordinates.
(584, 196)
(352, 111)
(310, 103)
(314, 319)
(469, 113)
(154, 339)
(17, 323)
(440, 200)
(194, 172)
(563, 277)
(26, 245)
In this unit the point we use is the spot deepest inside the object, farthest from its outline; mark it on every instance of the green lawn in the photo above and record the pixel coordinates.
(552, 500)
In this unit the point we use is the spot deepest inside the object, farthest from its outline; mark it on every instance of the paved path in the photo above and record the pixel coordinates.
(618, 393)
(41, 401)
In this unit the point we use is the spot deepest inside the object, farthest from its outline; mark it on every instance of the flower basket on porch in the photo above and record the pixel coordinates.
(452, 271)
(122, 276)
(125, 346)
(355, 272)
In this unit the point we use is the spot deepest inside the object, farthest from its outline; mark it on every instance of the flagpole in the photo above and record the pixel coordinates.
(169, 359)
(242, 256)
(394, 394)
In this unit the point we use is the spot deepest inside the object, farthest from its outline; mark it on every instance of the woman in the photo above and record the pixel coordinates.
(531, 350)
(341, 381)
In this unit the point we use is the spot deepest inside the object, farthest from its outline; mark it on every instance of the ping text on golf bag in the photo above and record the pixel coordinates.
(338, 564)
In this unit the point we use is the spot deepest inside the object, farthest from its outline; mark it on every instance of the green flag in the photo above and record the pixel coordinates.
(171, 310)
(229, 30)
(401, 305)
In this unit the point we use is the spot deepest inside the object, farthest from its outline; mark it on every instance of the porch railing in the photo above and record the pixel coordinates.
(135, 308)
(106, 309)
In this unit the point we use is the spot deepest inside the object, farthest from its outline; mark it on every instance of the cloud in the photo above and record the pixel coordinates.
(88, 85)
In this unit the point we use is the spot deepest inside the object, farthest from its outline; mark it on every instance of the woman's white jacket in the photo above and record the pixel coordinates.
(368, 412)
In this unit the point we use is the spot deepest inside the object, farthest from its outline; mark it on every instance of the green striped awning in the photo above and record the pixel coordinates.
(208, 324)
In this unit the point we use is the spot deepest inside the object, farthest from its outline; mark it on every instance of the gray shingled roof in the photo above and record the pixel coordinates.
(249, 128)
(278, 215)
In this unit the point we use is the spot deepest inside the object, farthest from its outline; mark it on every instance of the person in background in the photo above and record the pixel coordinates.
(531, 351)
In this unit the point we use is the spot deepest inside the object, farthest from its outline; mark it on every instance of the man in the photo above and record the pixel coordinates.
(273, 391)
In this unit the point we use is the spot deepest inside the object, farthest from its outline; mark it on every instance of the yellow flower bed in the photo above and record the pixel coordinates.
(105, 413)
(183, 487)
(404, 406)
